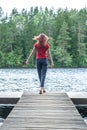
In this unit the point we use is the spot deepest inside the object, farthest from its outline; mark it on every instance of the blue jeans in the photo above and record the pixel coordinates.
(42, 69)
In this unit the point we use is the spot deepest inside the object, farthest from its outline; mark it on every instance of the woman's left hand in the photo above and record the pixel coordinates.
(52, 65)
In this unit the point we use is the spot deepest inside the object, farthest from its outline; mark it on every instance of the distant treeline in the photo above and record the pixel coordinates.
(67, 30)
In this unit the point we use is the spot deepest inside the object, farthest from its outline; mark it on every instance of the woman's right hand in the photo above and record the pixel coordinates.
(27, 62)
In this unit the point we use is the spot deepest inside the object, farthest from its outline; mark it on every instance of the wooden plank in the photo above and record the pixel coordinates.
(54, 111)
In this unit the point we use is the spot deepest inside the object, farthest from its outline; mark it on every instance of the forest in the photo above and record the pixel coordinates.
(67, 31)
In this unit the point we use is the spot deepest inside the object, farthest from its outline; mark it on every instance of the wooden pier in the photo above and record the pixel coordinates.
(49, 111)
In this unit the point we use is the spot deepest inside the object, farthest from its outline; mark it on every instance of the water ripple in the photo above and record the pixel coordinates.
(63, 80)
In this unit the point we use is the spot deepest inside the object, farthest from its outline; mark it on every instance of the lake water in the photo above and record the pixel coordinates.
(61, 80)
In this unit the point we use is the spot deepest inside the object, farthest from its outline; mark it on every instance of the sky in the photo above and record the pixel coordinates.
(8, 5)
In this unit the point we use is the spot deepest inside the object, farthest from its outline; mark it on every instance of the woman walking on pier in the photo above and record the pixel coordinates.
(42, 49)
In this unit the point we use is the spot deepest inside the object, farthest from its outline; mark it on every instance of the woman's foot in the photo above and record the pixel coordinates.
(41, 91)
(44, 91)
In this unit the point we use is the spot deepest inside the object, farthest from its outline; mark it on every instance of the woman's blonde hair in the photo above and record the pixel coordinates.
(41, 38)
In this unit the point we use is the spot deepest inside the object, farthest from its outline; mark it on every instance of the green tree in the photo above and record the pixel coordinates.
(62, 51)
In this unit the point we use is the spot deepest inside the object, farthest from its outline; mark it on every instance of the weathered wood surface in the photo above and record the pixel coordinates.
(44, 112)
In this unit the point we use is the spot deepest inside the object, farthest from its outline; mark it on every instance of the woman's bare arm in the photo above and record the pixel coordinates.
(50, 57)
(30, 55)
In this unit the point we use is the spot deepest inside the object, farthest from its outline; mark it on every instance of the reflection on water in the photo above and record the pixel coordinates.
(63, 80)
(85, 119)
(4, 112)
(82, 109)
